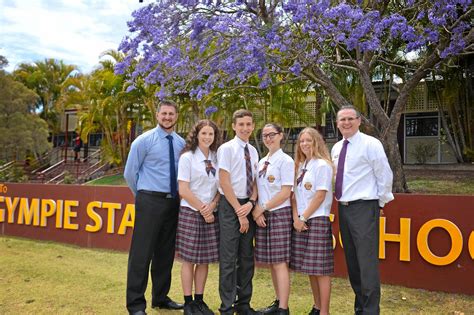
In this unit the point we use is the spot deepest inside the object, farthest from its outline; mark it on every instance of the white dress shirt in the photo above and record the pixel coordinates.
(192, 169)
(318, 176)
(367, 174)
(231, 159)
(280, 172)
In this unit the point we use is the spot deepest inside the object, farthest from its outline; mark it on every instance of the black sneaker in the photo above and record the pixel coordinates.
(202, 306)
(314, 311)
(192, 309)
(270, 309)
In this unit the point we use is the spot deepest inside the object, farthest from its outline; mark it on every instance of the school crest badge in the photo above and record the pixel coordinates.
(271, 178)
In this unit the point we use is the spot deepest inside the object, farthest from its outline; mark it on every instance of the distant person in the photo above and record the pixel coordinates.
(311, 248)
(363, 187)
(238, 162)
(197, 239)
(273, 216)
(77, 148)
(150, 173)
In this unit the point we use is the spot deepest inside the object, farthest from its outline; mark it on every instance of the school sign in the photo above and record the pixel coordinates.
(426, 241)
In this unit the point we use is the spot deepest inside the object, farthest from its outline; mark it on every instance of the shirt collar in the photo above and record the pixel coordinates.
(162, 133)
(354, 137)
(275, 155)
(201, 157)
(240, 142)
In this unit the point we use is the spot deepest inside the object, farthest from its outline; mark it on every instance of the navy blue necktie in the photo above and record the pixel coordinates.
(174, 190)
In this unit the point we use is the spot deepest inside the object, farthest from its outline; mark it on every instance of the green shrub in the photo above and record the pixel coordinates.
(423, 152)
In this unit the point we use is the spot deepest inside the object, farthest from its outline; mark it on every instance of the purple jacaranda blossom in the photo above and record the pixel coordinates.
(210, 110)
(197, 46)
(130, 88)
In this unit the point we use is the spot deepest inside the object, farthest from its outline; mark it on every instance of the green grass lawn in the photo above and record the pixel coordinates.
(460, 186)
(417, 184)
(38, 277)
(113, 180)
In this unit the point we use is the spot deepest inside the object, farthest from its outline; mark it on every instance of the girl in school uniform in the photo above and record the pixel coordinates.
(273, 216)
(312, 248)
(197, 237)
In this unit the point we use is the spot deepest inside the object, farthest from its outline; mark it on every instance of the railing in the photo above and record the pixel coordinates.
(98, 169)
(94, 155)
(90, 168)
(52, 180)
(6, 166)
(42, 175)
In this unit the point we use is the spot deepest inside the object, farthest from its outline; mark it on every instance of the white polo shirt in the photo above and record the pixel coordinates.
(231, 158)
(318, 176)
(280, 172)
(192, 169)
(367, 174)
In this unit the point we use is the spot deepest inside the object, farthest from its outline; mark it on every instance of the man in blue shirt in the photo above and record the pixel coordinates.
(150, 173)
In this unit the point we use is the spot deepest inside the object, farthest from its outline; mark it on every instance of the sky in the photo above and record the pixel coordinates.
(75, 31)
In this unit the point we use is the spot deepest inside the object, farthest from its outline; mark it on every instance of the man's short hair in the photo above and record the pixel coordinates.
(241, 113)
(166, 103)
(348, 107)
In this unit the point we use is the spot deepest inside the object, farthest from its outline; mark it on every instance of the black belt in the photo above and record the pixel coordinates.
(348, 203)
(157, 193)
(241, 200)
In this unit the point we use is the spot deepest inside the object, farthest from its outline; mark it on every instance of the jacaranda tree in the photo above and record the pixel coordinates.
(195, 47)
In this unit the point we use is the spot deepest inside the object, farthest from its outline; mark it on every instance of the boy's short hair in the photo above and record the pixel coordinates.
(241, 113)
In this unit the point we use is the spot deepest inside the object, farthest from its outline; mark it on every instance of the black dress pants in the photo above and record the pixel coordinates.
(153, 241)
(236, 263)
(359, 225)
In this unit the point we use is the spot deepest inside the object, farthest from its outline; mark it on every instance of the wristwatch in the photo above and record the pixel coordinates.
(253, 202)
(302, 218)
(264, 207)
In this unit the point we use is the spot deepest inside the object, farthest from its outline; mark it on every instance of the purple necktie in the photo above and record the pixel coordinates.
(248, 170)
(340, 169)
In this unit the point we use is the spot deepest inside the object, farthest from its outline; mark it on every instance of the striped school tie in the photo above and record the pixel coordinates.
(248, 170)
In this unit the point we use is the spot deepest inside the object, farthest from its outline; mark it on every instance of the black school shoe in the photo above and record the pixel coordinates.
(247, 311)
(281, 311)
(203, 308)
(192, 309)
(270, 309)
(168, 304)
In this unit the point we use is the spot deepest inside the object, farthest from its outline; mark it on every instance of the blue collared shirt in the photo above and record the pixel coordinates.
(148, 162)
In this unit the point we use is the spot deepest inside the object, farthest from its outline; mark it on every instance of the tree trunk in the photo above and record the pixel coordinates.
(390, 144)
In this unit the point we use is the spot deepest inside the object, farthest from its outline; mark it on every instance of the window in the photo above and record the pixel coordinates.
(421, 126)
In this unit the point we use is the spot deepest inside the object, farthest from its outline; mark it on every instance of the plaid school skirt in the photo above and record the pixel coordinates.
(272, 243)
(197, 242)
(311, 251)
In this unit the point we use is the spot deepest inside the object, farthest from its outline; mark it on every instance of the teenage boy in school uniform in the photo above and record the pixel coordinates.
(237, 162)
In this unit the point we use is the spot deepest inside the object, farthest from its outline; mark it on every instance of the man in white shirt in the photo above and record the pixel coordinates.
(363, 187)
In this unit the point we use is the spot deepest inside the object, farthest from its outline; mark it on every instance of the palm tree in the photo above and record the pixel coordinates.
(109, 108)
(47, 79)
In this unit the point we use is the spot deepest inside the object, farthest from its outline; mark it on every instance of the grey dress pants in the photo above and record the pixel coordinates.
(236, 263)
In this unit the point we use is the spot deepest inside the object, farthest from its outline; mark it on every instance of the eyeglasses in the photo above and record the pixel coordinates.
(349, 119)
(270, 135)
